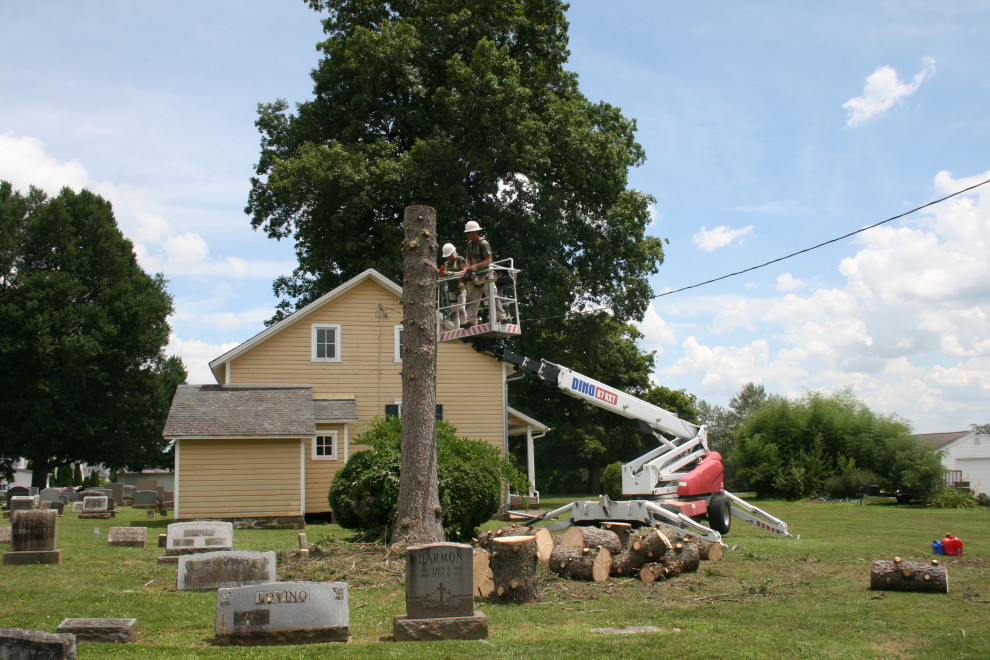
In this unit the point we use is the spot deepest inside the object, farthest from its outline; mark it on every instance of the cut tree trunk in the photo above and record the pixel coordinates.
(682, 558)
(544, 541)
(581, 563)
(645, 546)
(621, 529)
(484, 585)
(514, 562)
(418, 517)
(707, 550)
(591, 537)
(900, 575)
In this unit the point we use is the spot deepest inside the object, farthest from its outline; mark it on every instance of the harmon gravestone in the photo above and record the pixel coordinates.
(283, 613)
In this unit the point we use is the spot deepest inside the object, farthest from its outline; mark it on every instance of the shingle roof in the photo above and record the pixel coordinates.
(939, 440)
(212, 411)
(335, 410)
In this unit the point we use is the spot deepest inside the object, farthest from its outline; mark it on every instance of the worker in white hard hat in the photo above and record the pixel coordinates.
(456, 291)
(477, 274)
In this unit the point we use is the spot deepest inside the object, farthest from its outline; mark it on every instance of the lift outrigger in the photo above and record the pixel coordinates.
(678, 483)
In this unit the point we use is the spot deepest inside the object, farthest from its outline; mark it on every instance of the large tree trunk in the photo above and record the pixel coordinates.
(581, 563)
(514, 569)
(682, 558)
(544, 541)
(418, 519)
(591, 537)
(900, 575)
(645, 546)
(39, 471)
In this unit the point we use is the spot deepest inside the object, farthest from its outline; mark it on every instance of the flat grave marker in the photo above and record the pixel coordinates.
(100, 630)
(18, 643)
(128, 537)
(283, 613)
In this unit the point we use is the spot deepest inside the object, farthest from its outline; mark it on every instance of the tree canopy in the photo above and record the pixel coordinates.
(796, 448)
(465, 106)
(82, 336)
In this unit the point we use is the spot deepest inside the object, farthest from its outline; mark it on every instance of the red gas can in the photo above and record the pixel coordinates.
(952, 545)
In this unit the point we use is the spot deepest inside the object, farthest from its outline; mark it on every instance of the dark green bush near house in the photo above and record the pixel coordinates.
(951, 498)
(364, 494)
(612, 480)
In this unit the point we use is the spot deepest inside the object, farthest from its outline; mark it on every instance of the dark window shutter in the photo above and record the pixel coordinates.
(391, 410)
(439, 411)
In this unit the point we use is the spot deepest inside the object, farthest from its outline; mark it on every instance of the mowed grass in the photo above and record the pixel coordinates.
(768, 598)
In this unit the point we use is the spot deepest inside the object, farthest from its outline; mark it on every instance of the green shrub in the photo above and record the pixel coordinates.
(848, 481)
(951, 498)
(612, 480)
(364, 494)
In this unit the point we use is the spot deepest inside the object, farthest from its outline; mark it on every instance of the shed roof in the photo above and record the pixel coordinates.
(335, 410)
(212, 411)
(940, 440)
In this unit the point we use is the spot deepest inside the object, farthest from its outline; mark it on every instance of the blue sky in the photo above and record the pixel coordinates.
(769, 127)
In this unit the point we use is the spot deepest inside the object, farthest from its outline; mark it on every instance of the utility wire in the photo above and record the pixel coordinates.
(815, 247)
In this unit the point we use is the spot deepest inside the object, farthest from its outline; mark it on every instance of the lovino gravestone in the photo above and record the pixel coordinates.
(283, 613)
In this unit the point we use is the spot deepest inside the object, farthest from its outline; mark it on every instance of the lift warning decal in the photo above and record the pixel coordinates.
(579, 385)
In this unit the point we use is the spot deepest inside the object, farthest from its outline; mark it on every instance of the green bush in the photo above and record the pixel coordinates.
(612, 480)
(364, 494)
(951, 498)
(848, 481)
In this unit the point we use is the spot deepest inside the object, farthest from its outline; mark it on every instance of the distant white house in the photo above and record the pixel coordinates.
(967, 457)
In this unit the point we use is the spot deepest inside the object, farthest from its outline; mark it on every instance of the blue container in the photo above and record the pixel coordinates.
(937, 548)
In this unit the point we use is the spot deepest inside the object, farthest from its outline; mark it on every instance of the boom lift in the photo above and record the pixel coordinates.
(678, 483)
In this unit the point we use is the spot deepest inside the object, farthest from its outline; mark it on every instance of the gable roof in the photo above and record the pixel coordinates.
(217, 366)
(335, 410)
(940, 440)
(248, 411)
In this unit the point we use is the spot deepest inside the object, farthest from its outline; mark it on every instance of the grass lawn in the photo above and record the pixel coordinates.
(768, 598)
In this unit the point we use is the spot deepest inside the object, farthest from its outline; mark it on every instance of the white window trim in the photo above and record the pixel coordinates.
(397, 345)
(325, 434)
(322, 326)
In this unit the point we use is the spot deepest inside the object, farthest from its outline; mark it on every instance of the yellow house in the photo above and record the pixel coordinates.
(262, 446)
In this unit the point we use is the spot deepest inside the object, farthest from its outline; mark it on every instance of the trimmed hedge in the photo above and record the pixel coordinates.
(364, 494)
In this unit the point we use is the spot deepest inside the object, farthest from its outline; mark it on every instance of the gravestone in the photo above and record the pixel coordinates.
(100, 630)
(21, 503)
(145, 499)
(33, 537)
(147, 484)
(117, 492)
(77, 507)
(57, 506)
(71, 496)
(209, 571)
(440, 595)
(95, 507)
(128, 537)
(49, 495)
(5, 534)
(197, 536)
(18, 643)
(283, 613)
(16, 491)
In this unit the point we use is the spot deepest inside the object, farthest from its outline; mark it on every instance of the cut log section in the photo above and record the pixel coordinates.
(900, 575)
(707, 550)
(621, 529)
(682, 558)
(544, 541)
(591, 537)
(514, 562)
(591, 564)
(483, 583)
(645, 546)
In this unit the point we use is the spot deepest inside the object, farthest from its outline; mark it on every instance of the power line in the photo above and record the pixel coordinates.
(815, 247)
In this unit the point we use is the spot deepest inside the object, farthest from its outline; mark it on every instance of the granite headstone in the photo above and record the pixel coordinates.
(209, 571)
(18, 644)
(283, 613)
(33, 538)
(127, 537)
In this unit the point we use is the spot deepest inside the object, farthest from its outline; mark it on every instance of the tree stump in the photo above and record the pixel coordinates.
(645, 546)
(591, 537)
(484, 585)
(581, 563)
(900, 575)
(621, 529)
(681, 558)
(544, 541)
(513, 562)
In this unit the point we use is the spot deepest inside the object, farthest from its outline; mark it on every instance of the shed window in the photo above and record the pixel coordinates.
(325, 446)
(395, 410)
(326, 342)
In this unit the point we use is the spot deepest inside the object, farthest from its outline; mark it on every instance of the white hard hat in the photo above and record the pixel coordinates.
(448, 249)
(471, 226)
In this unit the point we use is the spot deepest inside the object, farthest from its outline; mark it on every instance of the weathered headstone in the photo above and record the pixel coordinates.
(195, 536)
(49, 494)
(212, 570)
(18, 644)
(57, 506)
(95, 506)
(71, 496)
(100, 630)
(117, 492)
(77, 507)
(283, 613)
(16, 491)
(145, 499)
(128, 537)
(21, 503)
(440, 595)
(5, 534)
(33, 537)
(147, 484)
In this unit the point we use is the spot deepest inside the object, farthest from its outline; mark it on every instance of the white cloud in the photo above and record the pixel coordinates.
(24, 163)
(656, 331)
(883, 90)
(196, 356)
(712, 239)
(787, 282)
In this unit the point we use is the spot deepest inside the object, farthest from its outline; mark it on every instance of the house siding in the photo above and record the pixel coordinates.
(470, 386)
(242, 478)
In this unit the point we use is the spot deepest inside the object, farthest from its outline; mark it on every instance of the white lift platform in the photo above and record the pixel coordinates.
(500, 288)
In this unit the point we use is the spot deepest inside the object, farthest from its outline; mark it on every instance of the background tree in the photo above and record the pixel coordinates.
(82, 332)
(799, 448)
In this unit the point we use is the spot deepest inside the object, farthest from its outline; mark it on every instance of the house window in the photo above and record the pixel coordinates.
(326, 342)
(325, 446)
(395, 410)
(399, 341)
